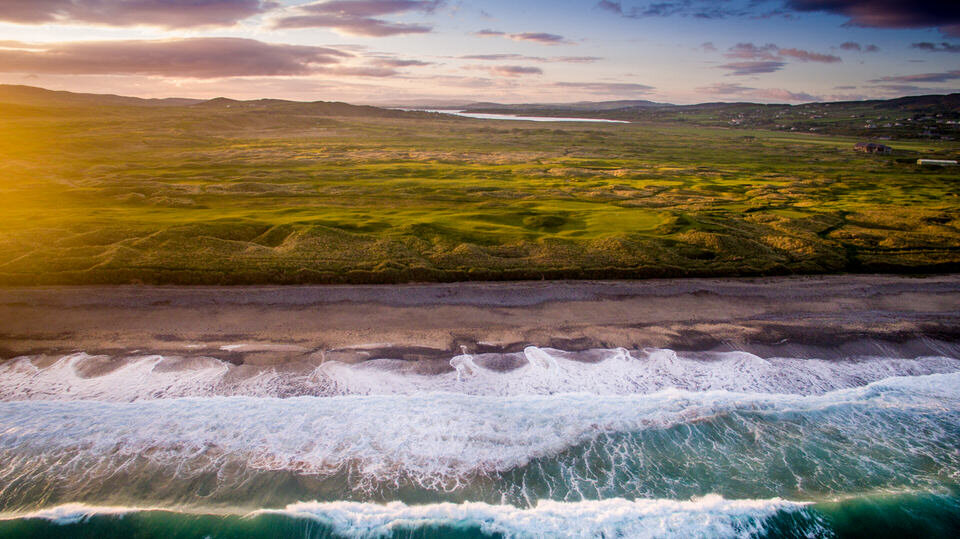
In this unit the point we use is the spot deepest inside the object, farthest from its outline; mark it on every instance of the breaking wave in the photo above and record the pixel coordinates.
(535, 371)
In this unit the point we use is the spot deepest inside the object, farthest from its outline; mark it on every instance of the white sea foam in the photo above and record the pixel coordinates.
(437, 440)
(71, 513)
(75, 377)
(709, 516)
(547, 371)
(542, 371)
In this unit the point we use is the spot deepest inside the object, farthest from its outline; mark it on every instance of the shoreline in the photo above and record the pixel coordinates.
(272, 325)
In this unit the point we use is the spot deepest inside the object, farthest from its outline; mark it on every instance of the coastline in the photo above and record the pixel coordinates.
(271, 325)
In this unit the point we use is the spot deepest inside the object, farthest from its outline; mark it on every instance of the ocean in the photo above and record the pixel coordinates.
(536, 443)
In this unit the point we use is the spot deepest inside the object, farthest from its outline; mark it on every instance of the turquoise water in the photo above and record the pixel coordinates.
(878, 517)
(865, 448)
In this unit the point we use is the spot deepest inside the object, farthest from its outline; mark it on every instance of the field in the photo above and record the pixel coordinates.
(229, 193)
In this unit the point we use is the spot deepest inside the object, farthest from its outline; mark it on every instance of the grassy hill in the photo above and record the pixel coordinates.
(231, 192)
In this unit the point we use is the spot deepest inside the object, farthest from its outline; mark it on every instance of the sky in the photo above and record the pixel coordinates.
(456, 51)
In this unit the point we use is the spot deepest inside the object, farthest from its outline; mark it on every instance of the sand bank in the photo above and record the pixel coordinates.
(268, 325)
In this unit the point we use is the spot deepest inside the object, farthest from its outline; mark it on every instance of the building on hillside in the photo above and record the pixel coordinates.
(872, 147)
(937, 162)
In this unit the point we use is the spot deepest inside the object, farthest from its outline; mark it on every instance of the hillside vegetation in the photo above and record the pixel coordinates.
(932, 117)
(227, 192)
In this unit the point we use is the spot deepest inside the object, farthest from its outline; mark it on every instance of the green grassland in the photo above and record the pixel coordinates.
(242, 193)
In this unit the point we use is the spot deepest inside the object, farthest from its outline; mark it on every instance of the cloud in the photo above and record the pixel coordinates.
(941, 14)
(934, 47)
(514, 71)
(756, 59)
(708, 46)
(162, 13)
(360, 71)
(542, 38)
(357, 17)
(922, 77)
(522, 57)
(613, 7)
(749, 51)
(725, 88)
(608, 88)
(700, 9)
(899, 90)
(854, 46)
(486, 32)
(500, 57)
(753, 67)
(576, 59)
(765, 94)
(200, 58)
(400, 62)
(807, 56)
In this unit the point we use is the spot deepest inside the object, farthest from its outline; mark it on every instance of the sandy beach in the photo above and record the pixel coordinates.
(274, 325)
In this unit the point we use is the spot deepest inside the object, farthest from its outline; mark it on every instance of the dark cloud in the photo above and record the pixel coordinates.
(357, 17)
(922, 77)
(807, 56)
(936, 47)
(190, 58)
(854, 46)
(708, 47)
(700, 9)
(942, 14)
(608, 88)
(898, 90)
(614, 7)
(756, 59)
(901, 89)
(537, 37)
(753, 67)
(162, 13)
(749, 51)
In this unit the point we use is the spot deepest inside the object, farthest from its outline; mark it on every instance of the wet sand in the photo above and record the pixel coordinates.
(271, 325)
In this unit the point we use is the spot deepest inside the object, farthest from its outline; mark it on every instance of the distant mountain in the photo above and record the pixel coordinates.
(313, 108)
(926, 116)
(577, 106)
(40, 97)
(30, 95)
